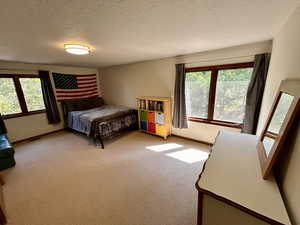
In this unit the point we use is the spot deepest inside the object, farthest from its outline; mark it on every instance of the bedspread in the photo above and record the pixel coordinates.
(87, 121)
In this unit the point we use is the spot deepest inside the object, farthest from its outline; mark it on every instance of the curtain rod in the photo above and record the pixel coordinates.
(235, 57)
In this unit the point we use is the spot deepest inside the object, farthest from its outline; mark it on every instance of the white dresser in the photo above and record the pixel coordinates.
(231, 188)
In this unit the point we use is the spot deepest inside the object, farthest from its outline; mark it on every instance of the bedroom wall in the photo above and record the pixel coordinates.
(29, 126)
(122, 84)
(285, 64)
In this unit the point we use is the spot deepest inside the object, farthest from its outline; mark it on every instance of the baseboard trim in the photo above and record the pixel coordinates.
(192, 139)
(56, 131)
(37, 136)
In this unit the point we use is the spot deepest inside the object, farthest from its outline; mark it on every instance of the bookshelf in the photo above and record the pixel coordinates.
(155, 115)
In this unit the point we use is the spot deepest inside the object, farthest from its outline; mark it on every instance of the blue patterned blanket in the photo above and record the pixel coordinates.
(88, 121)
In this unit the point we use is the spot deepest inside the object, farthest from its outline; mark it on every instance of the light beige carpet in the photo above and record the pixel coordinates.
(138, 179)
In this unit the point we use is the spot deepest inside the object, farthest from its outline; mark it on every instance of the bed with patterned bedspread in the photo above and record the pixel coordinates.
(97, 120)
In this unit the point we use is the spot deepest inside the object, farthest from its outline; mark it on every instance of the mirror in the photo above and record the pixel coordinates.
(284, 110)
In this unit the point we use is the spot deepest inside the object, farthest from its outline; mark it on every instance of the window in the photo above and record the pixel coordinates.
(197, 93)
(20, 95)
(217, 94)
(33, 93)
(8, 97)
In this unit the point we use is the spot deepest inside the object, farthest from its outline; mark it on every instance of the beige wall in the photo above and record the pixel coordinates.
(284, 64)
(122, 84)
(28, 126)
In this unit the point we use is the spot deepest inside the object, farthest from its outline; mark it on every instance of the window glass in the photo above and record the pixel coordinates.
(231, 91)
(33, 93)
(9, 103)
(197, 93)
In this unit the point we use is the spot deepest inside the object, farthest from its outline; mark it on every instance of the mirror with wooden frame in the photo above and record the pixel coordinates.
(283, 112)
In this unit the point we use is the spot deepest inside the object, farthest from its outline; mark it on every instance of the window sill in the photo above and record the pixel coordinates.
(215, 122)
(23, 114)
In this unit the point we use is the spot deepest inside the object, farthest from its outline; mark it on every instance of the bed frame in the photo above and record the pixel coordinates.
(88, 103)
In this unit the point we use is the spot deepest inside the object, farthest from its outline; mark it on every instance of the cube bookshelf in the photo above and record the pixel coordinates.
(155, 115)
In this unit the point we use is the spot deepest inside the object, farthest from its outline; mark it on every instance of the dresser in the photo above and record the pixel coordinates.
(231, 189)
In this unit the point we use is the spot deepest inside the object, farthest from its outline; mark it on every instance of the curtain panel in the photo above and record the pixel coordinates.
(179, 112)
(3, 129)
(49, 98)
(255, 93)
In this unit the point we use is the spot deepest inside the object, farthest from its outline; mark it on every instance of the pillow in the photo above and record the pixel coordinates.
(88, 103)
(82, 104)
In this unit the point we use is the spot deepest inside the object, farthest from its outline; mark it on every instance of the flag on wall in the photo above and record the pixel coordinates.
(72, 86)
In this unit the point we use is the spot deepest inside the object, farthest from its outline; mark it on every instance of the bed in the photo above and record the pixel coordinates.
(97, 120)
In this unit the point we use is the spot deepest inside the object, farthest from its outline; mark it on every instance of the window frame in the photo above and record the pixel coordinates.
(20, 95)
(212, 91)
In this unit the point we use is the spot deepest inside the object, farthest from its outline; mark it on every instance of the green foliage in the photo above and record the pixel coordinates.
(8, 98)
(9, 103)
(197, 93)
(33, 93)
(243, 74)
(232, 85)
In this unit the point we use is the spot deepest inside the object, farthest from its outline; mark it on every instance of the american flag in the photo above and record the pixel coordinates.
(73, 86)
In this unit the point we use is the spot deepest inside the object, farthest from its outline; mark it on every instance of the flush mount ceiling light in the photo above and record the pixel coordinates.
(77, 49)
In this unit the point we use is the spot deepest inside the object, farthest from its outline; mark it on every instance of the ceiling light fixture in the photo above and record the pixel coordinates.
(77, 49)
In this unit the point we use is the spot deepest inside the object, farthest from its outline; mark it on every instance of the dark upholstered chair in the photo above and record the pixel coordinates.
(7, 152)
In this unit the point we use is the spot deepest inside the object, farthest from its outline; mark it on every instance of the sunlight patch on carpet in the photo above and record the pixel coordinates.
(190, 155)
(163, 147)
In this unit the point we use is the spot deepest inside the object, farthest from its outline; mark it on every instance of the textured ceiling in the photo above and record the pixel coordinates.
(124, 31)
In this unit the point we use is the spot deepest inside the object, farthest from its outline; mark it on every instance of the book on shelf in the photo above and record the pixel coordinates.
(151, 105)
(155, 115)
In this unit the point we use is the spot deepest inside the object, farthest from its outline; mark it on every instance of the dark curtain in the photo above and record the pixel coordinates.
(179, 113)
(255, 93)
(3, 129)
(49, 98)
